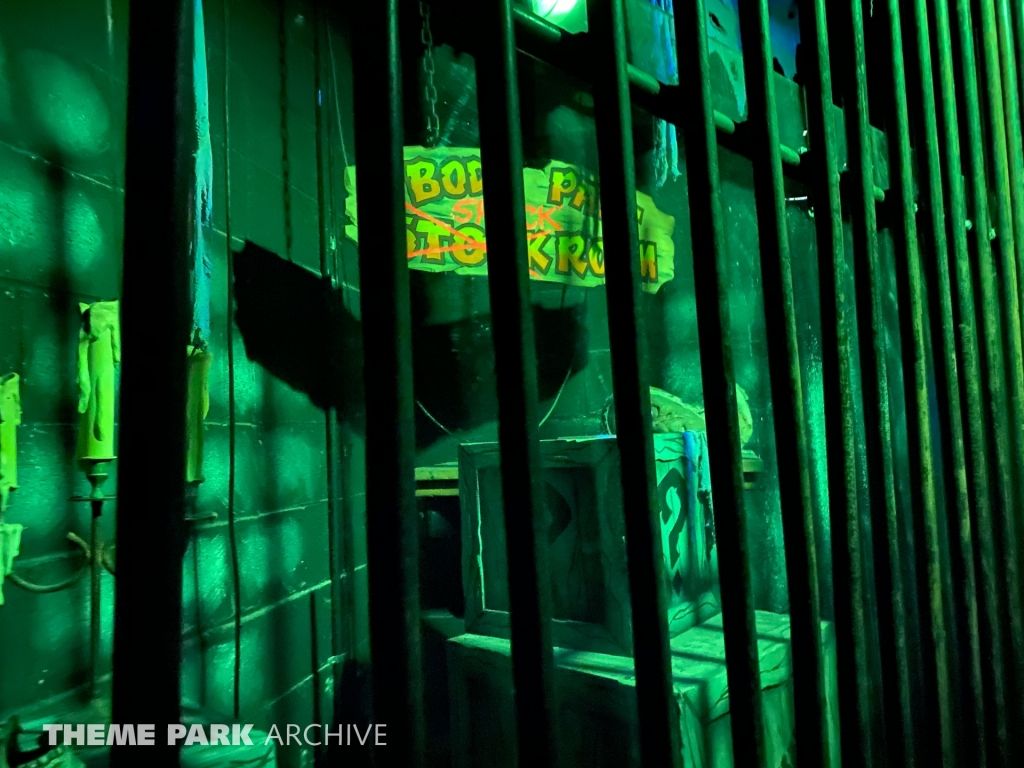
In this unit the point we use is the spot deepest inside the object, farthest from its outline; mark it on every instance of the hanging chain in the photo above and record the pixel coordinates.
(427, 38)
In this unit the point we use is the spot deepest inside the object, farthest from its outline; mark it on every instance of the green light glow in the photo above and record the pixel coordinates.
(291, 545)
(84, 236)
(67, 105)
(256, 564)
(22, 222)
(213, 576)
(555, 9)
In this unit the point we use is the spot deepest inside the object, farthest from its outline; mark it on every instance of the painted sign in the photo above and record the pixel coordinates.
(445, 224)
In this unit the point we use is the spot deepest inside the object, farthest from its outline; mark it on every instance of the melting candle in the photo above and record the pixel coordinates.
(99, 352)
(196, 408)
(10, 418)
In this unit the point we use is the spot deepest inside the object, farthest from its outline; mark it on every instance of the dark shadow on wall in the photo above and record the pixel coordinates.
(295, 325)
(63, 307)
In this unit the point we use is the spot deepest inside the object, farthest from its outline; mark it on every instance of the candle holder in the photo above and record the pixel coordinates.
(192, 512)
(96, 473)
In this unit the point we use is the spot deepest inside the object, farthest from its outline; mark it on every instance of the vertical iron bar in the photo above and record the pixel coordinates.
(987, 660)
(660, 745)
(912, 319)
(935, 258)
(988, 312)
(1018, 26)
(708, 233)
(878, 426)
(1015, 143)
(155, 332)
(848, 582)
(1015, 114)
(1009, 438)
(391, 521)
(508, 280)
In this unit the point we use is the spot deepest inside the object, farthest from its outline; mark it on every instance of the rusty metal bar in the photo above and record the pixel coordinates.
(1009, 441)
(516, 367)
(987, 663)
(391, 519)
(1014, 141)
(659, 723)
(870, 297)
(1018, 27)
(836, 308)
(783, 353)
(710, 276)
(155, 317)
(987, 313)
(935, 258)
(910, 284)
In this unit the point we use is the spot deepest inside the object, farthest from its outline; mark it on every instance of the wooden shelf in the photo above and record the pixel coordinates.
(438, 480)
(443, 479)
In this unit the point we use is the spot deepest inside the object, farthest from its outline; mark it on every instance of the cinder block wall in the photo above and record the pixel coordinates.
(62, 122)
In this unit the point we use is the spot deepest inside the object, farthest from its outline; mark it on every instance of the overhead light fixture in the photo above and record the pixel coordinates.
(554, 9)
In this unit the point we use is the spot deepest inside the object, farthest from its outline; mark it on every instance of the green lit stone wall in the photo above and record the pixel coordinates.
(62, 120)
(62, 96)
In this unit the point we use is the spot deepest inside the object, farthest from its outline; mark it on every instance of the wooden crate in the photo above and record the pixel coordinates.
(597, 721)
(588, 561)
(586, 537)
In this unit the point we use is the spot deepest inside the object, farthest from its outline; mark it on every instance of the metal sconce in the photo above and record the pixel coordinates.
(99, 352)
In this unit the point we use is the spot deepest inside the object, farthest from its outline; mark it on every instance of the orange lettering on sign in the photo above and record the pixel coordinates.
(467, 256)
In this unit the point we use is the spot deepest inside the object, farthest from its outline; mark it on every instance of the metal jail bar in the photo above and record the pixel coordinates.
(856, 736)
(1014, 141)
(391, 521)
(1014, 275)
(988, 664)
(934, 261)
(780, 315)
(659, 727)
(986, 313)
(155, 322)
(911, 298)
(501, 154)
(513, 338)
(848, 29)
(710, 277)
(1008, 441)
(989, 351)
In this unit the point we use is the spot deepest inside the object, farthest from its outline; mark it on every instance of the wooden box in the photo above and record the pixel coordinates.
(583, 499)
(587, 556)
(596, 723)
